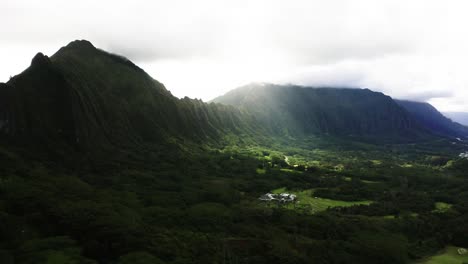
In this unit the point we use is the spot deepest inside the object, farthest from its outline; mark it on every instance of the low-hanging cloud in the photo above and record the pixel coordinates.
(425, 96)
(407, 49)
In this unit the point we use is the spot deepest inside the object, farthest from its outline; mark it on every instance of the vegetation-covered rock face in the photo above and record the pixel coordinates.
(296, 110)
(91, 98)
(37, 102)
(86, 97)
(99, 163)
(431, 118)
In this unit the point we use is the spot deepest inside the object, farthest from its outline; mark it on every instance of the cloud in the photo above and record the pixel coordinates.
(407, 49)
(327, 76)
(309, 31)
(427, 95)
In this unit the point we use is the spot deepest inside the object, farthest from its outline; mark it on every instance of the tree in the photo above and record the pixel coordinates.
(139, 257)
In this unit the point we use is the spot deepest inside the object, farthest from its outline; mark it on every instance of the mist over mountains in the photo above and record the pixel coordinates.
(459, 117)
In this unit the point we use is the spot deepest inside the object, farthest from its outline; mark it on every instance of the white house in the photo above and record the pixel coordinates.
(281, 197)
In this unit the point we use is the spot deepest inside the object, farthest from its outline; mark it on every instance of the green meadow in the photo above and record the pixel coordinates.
(448, 256)
(306, 198)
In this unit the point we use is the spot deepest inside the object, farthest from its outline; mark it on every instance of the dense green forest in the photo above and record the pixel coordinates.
(99, 163)
(201, 206)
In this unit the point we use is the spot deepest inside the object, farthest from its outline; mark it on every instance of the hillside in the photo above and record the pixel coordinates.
(88, 98)
(459, 117)
(108, 167)
(431, 118)
(296, 111)
(83, 97)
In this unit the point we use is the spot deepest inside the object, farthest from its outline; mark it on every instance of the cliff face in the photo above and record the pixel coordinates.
(428, 116)
(305, 110)
(459, 117)
(87, 97)
(90, 99)
(36, 103)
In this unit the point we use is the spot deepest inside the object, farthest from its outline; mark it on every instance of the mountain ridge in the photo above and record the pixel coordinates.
(340, 111)
(431, 118)
(459, 117)
(85, 96)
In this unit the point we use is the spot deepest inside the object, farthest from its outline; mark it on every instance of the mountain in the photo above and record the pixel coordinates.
(459, 117)
(88, 99)
(297, 110)
(99, 163)
(85, 97)
(431, 118)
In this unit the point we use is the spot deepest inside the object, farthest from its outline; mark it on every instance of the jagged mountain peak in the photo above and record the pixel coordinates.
(80, 44)
(89, 98)
(40, 59)
(84, 50)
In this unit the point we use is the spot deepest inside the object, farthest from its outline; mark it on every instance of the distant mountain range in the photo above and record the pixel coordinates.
(299, 111)
(87, 98)
(432, 119)
(459, 117)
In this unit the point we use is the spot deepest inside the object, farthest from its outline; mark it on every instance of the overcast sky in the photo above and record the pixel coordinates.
(410, 49)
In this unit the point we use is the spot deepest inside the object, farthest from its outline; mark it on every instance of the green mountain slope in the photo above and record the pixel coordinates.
(190, 192)
(430, 117)
(296, 110)
(459, 117)
(86, 97)
(83, 97)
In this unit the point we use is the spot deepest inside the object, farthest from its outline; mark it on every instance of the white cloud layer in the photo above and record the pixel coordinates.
(414, 49)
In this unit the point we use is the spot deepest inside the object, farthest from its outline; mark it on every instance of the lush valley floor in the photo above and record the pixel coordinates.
(357, 203)
(307, 201)
(449, 255)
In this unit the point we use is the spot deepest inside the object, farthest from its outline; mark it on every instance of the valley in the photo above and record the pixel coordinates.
(99, 167)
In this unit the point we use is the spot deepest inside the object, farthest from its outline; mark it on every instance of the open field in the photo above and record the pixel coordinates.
(448, 256)
(442, 207)
(317, 204)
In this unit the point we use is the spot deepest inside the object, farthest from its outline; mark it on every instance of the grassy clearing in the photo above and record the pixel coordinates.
(369, 182)
(348, 179)
(291, 171)
(442, 207)
(402, 215)
(406, 165)
(260, 171)
(448, 256)
(389, 217)
(317, 204)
